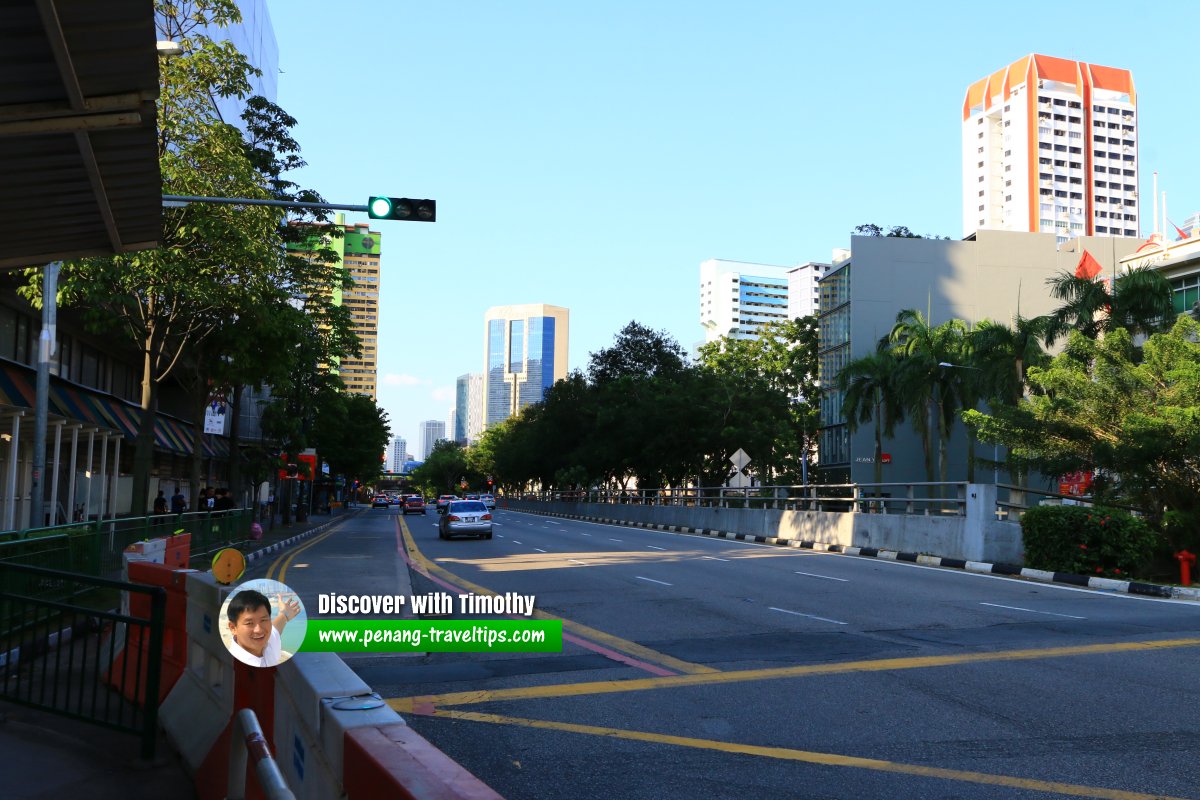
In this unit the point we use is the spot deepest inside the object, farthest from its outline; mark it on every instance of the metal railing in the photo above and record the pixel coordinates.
(95, 548)
(248, 742)
(62, 656)
(882, 498)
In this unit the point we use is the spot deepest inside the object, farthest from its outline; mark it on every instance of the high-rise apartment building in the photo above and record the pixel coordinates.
(431, 431)
(398, 455)
(468, 406)
(1050, 145)
(359, 250)
(804, 289)
(525, 352)
(737, 299)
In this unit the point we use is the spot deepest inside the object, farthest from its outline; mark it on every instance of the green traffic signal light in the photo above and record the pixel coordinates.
(402, 208)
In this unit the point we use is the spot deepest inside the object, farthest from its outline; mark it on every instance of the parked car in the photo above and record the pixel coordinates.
(444, 501)
(380, 501)
(465, 517)
(414, 504)
(488, 500)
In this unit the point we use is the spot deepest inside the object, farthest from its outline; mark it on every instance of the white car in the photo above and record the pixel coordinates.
(488, 500)
(469, 517)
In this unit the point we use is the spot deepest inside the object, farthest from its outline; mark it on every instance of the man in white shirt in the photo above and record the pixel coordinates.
(255, 635)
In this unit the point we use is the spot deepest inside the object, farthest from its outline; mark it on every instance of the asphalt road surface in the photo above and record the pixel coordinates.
(703, 668)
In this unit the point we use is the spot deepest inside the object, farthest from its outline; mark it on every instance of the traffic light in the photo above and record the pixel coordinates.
(402, 208)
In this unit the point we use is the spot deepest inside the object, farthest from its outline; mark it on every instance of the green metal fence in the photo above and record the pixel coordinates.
(95, 548)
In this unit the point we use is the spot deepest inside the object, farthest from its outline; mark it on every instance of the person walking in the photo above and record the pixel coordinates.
(160, 503)
(178, 501)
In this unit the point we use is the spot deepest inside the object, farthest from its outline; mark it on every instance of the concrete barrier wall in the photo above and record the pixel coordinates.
(975, 536)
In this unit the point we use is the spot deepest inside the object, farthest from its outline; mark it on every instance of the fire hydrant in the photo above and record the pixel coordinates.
(1185, 560)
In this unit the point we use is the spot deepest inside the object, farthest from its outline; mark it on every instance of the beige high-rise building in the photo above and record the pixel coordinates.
(525, 352)
(359, 250)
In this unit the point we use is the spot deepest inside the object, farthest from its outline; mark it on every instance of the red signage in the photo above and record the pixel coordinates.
(306, 467)
(885, 458)
(1075, 483)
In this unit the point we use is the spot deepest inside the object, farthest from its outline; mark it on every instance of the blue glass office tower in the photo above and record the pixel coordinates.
(526, 352)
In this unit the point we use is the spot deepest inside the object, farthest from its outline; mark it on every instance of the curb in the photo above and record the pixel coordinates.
(299, 537)
(1011, 570)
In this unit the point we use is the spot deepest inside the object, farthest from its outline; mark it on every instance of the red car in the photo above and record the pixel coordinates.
(414, 504)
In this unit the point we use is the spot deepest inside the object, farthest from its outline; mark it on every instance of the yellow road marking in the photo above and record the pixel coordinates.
(810, 757)
(412, 703)
(287, 559)
(600, 637)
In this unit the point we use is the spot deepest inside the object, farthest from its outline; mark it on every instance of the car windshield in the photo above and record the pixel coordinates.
(468, 506)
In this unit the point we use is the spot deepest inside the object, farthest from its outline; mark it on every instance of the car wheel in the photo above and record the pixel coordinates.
(487, 536)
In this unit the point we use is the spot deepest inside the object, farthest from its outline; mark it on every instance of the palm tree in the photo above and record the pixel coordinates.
(1139, 301)
(1003, 356)
(926, 387)
(868, 387)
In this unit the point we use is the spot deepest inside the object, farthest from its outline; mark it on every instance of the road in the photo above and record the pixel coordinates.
(710, 668)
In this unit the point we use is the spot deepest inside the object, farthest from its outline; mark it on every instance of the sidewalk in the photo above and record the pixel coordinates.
(52, 756)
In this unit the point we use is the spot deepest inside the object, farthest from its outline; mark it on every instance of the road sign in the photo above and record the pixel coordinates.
(740, 459)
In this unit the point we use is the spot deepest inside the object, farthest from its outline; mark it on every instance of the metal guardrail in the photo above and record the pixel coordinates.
(59, 656)
(884, 498)
(95, 548)
(246, 742)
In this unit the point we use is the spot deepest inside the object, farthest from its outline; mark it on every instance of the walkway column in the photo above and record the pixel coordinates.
(71, 473)
(87, 503)
(116, 475)
(103, 476)
(53, 474)
(10, 502)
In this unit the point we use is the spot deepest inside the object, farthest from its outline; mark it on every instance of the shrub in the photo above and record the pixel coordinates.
(1086, 541)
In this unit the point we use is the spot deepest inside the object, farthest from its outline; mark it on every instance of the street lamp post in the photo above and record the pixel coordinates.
(41, 403)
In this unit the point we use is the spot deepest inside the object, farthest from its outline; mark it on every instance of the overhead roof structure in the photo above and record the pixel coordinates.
(79, 169)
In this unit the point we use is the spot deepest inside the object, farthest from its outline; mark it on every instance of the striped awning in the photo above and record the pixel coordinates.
(75, 403)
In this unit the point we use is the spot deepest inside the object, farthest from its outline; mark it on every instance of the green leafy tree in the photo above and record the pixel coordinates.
(350, 432)
(442, 471)
(1098, 405)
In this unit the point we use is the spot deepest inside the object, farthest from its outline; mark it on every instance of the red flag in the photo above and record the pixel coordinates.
(1088, 267)
(1180, 231)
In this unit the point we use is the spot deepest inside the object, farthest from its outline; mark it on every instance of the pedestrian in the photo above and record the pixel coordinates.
(210, 498)
(178, 501)
(223, 502)
(160, 503)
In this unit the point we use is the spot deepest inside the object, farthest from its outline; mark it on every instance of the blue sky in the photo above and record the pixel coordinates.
(591, 155)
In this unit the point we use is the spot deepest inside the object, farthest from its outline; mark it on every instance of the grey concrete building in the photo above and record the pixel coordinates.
(989, 275)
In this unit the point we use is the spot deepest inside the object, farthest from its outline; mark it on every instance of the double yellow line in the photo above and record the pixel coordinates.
(284, 561)
(622, 646)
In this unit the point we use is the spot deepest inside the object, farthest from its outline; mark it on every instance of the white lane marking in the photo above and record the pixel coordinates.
(951, 574)
(1032, 611)
(714, 558)
(577, 561)
(652, 547)
(540, 550)
(824, 577)
(585, 534)
(810, 616)
(616, 540)
(664, 583)
(515, 541)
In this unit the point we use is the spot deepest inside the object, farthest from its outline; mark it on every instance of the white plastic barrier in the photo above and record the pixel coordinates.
(317, 699)
(200, 706)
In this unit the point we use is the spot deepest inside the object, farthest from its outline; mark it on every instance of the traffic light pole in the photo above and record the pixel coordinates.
(181, 200)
